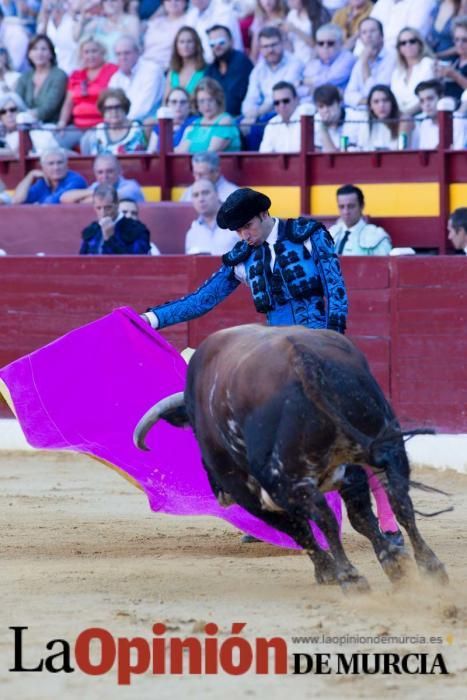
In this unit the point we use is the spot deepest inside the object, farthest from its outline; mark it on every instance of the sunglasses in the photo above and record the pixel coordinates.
(283, 101)
(217, 42)
(328, 42)
(407, 42)
(113, 108)
(177, 102)
(8, 110)
(460, 40)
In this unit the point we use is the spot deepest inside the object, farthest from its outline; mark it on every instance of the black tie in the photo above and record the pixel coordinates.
(343, 242)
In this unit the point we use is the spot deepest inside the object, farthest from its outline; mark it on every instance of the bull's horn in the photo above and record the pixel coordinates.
(151, 417)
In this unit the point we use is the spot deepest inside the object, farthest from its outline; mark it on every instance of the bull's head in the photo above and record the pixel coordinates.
(171, 409)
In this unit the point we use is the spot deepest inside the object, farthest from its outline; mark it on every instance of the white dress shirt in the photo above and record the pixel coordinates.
(394, 15)
(209, 239)
(280, 136)
(223, 189)
(426, 133)
(263, 77)
(144, 87)
(364, 238)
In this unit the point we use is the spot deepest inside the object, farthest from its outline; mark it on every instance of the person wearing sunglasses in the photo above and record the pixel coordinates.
(415, 64)
(333, 63)
(177, 106)
(282, 132)
(13, 115)
(231, 68)
(204, 14)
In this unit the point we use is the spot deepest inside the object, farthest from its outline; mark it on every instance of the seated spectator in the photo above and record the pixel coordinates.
(161, 30)
(274, 65)
(282, 132)
(214, 130)
(113, 233)
(414, 65)
(84, 88)
(333, 63)
(116, 134)
(302, 22)
(380, 132)
(268, 13)
(439, 38)
(8, 76)
(187, 65)
(4, 199)
(108, 27)
(459, 127)
(142, 80)
(457, 229)
(349, 17)
(204, 235)
(56, 19)
(13, 115)
(207, 166)
(107, 171)
(46, 186)
(332, 127)
(14, 38)
(374, 66)
(43, 87)
(129, 208)
(204, 14)
(351, 233)
(425, 135)
(396, 14)
(231, 68)
(455, 75)
(178, 108)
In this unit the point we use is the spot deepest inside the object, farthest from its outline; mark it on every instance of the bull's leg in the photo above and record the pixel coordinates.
(355, 492)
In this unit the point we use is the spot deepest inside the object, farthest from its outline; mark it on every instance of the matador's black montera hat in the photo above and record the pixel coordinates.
(240, 207)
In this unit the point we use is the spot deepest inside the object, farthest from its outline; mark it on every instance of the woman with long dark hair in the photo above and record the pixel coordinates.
(381, 131)
(187, 64)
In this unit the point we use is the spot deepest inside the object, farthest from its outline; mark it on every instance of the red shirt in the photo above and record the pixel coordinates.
(84, 93)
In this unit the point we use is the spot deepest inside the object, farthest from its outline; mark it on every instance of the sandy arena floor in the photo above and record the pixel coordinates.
(80, 548)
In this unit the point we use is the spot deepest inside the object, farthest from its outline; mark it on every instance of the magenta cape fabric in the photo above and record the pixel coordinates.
(86, 391)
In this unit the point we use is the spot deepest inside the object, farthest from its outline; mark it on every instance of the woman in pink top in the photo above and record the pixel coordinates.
(84, 88)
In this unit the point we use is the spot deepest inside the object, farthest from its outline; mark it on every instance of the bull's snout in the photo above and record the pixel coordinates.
(150, 418)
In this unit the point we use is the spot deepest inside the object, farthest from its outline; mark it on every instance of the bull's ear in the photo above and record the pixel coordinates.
(176, 416)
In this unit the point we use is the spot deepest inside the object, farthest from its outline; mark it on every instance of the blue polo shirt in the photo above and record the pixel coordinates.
(41, 193)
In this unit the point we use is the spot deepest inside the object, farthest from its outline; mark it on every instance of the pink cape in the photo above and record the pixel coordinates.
(86, 391)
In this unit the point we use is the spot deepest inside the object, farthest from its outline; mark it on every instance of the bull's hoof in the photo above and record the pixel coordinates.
(436, 571)
(326, 577)
(395, 563)
(355, 584)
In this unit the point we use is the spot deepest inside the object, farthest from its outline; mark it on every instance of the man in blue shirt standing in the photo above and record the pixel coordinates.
(46, 186)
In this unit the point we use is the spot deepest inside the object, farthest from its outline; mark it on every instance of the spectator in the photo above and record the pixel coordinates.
(129, 208)
(331, 126)
(302, 22)
(187, 65)
(282, 132)
(348, 18)
(108, 27)
(162, 29)
(178, 108)
(333, 63)
(459, 136)
(47, 186)
(274, 65)
(204, 14)
(333, 5)
(56, 20)
(380, 131)
(426, 130)
(351, 233)
(231, 68)
(374, 66)
(440, 39)
(455, 75)
(457, 229)
(142, 80)
(13, 114)
(113, 233)
(268, 13)
(8, 76)
(4, 199)
(14, 38)
(84, 88)
(396, 14)
(43, 86)
(214, 130)
(107, 171)
(414, 65)
(116, 134)
(204, 235)
(207, 166)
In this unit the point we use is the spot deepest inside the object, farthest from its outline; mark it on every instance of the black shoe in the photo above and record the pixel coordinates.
(396, 538)
(248, 539)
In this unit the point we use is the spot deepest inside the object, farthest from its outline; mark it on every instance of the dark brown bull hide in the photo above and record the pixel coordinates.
(281, 416)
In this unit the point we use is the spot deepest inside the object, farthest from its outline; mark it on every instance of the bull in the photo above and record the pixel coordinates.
(283, 415)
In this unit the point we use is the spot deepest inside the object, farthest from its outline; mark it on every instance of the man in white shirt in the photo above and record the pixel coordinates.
(207, 166)
(394, 15)
(15, 39)
(351, 233)
(374, 66)
(204, 14)
(274, 65)
(204, 235)
(282, 132)
(425, 135)
(334, 129)
(142, 80)
(457, 229)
